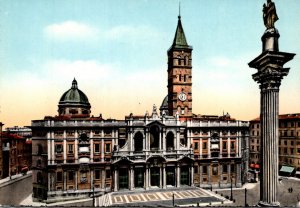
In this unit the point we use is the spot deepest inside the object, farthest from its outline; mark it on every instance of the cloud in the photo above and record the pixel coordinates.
(128, 32)
(85, 69)
(70, 31)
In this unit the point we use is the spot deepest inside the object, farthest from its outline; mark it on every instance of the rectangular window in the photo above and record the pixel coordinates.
(83, 177)
(196, 146)
(107, 148)
(97, 148)
(70, 148)
(224, 145)
(196, 169)
(70, 175)
(285, 142)
(97, 174)
(232, 168)
(204, 169)
(232, 145)
(204, 145)
(285, 150)
(58, 148)
(107, 173)
(225, 168)
(292, 150)
(292, 143)
(59, 176)
(298, 150)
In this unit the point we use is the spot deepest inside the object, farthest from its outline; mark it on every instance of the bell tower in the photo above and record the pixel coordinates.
(180, 75)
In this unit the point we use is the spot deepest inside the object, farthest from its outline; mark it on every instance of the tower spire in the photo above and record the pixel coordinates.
(179, 11)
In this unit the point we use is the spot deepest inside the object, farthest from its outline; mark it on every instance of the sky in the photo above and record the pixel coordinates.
(117, 51)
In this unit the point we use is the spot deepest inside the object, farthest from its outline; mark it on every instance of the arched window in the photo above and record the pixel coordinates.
(138, 142)
(154, 137)
(170, 141)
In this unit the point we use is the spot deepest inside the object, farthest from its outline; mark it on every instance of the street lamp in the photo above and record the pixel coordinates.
(246, 205)
(231, 189)
(173, 199)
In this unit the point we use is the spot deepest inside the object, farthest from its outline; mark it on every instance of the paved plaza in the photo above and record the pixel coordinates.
(187, 196)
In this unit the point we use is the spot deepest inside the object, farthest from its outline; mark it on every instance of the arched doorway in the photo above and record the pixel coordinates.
(138, 142)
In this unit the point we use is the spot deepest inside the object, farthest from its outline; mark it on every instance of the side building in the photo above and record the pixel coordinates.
(289, 144)
(16, 151)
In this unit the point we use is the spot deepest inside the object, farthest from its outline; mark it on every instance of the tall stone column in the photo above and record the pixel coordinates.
(270, 73)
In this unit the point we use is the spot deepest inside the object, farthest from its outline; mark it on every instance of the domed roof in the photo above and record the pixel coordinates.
(164, 106)
(74, 96)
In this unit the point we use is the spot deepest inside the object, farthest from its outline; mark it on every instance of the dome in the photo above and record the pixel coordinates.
(164, 106)
(74, 96)
(74, 102)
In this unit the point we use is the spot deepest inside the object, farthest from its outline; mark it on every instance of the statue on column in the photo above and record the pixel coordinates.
(269, 14)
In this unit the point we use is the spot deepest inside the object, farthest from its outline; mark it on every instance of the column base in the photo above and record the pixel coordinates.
(266, 204)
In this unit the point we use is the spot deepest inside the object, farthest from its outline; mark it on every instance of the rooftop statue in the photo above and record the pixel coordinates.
(269, 14)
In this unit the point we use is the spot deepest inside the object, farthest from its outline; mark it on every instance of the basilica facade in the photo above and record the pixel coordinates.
(76, 154)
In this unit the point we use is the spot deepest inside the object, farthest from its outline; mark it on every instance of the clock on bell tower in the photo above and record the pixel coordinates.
(180, 75)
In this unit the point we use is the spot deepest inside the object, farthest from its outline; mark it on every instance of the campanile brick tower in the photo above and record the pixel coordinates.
(180, 75)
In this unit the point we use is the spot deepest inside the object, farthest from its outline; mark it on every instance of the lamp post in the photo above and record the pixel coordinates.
(246, 205)
(173, 199)
(231, 189)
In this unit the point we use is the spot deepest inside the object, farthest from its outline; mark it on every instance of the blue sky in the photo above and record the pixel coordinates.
(117, 50)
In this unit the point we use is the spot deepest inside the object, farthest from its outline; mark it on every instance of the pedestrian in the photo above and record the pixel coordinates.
(291, 190)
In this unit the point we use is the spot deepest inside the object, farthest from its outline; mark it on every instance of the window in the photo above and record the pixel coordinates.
(184, 78)
(40, 149)
(204, 169)
(204, 145)
(59, 176)
(97, 174)
(225, 168)
(285, 150)
(70, 175)
(292, 142)
(215, 170)
(224, 145)
(232, 169)
(196, 146)
(298, 150)
(285, 142)
(232, 145)
(70, 148)
(83, 177)
(97, 148)
(58, 148)
(107, 148)
(292, 150)
(196, 169)
(39, 163)
(107, 173)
